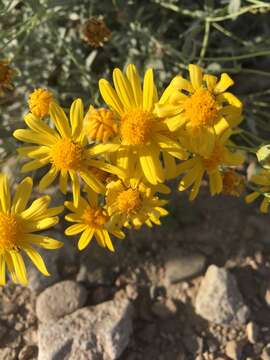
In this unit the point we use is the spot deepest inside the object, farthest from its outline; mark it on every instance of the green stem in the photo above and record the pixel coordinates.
(205, 41)
(244, 148)
(239, 57)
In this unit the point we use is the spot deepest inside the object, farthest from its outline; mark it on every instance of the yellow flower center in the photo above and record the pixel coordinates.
(67, 155)
(100, 124)
(215, 159)
(94, 217)
(135, 128)
(10, 231)
(201, 109)
(39, 102)
(128, 201)
(233, 183)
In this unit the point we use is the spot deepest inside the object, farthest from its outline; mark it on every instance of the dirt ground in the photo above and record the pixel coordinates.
(223, 229)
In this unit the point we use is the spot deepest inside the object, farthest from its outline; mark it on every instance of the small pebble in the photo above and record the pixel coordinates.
(252, 331)
(266, 353)
(234, 350)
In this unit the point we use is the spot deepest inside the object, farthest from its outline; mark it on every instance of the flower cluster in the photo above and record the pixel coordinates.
(118, 159)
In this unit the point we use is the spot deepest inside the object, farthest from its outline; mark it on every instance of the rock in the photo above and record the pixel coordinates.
(92, 333)
(8, 307)
(56, 261)
(266, 353)
(100, 294)
(252, 331)
(132, 291)
(94, 274)
(219, 300)
(37, 281)
(164, 309)
(27, 352)
(59, 300)
(180, 266)
(234, 349)
(267, 297)
(3, 330)
(7, 353)
(193, 344)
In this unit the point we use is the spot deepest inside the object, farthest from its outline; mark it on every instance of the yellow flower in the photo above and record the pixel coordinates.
(200, 106)
(95, 32)
(142, 136)
(91, 220)
(39, 102)
(17, 225)
(132, 204)
(64, 148)
(220, 157)
(262, 180)
(6, 73)
(233, 183)
(100, 124)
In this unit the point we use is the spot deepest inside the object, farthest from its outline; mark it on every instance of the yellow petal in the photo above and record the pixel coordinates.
(30, 136)
(75, 229)
(93, 182)
(189, 178)
(151, 166)
(48, 178)
(196, 75)
(85, 238)
(224, 83)
(211, 81)
(118, 233)
(36, 259)
(41, 224)
(110, 96)
(19, 267)
(34, 151)
(216, 183)
(75, 187)
(175, 122)
(2, 270)
(166, 110)
(107, 239)
(38, 125)
(35, 164)
(252, 197)
(135, 83)
(148, 90)
(123, 89)
(44, 242)
(63, 181)
(175, 85)
(76, 118)
(37, 208)
(264, 205)
(171, 146)
(107, 167)
(103, 148)
(11, 268)
(230, 99)
(5, 198)
(60, 120)
(22, 195)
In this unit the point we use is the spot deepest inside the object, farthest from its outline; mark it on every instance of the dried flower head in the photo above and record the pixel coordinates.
(95, 32)
(233, 183)
(6, 73)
